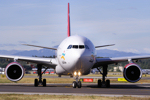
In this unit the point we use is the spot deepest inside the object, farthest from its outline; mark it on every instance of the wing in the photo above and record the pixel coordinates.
(39, 46)
(49, 62)
(104, 45)
(106, 61)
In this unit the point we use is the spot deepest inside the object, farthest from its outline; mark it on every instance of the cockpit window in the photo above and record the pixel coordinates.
(81, 46)
(86, 47)
(75, 46)
(69, 47)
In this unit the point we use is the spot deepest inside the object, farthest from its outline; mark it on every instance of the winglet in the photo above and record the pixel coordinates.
(68, 21)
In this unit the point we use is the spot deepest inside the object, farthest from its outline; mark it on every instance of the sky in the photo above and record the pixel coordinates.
(125, 23)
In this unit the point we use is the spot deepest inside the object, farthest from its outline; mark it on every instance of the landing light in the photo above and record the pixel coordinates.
(75, 73)
(79, 73)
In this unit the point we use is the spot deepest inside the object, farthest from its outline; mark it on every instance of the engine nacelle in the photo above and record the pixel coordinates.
(14, 71)
(132, 72)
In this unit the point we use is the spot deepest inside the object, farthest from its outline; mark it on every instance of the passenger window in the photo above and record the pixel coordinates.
(75, 46)
(81, 46)
(69, 47)
(86, 47)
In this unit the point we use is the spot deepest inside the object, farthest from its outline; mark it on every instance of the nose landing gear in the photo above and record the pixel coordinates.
(77, 83)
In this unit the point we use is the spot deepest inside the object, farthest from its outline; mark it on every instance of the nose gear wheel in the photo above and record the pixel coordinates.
(77, 83)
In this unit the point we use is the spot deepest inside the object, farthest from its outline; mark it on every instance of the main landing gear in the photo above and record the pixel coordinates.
(104, 74)
(77, 83)
(40, 82)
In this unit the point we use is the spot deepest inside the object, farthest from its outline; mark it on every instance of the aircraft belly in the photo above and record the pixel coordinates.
(83, 65)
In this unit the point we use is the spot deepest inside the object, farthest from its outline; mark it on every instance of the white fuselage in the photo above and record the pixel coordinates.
(75, 54)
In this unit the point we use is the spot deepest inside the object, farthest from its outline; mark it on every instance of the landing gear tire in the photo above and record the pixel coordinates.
(44, 82)
(79, 84)
(36, 82)
(74, 84)
(107, 83)
(99, 83)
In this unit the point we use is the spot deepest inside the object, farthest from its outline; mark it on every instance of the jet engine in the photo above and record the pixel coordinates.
(14, 71)
(132, 72)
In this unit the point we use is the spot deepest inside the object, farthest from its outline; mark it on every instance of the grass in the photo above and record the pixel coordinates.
(110, 74)
(113, 74)
(64, 97)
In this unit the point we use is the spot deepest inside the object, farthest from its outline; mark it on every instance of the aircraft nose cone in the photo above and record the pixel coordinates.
(78, 60)
(78, 56)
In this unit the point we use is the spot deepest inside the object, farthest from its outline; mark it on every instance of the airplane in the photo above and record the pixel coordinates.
(76, 56)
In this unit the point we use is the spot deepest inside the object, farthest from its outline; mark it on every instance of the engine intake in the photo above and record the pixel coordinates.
(14, 71)
(132, 72)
